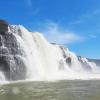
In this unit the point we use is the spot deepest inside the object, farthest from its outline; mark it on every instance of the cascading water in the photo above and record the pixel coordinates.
(27, 55)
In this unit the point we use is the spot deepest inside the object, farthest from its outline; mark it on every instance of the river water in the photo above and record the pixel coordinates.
(61, 90)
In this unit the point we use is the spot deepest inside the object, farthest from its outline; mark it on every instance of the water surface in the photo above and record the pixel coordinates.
(62, 90)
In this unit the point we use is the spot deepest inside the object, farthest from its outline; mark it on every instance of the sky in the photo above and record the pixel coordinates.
(72, 23)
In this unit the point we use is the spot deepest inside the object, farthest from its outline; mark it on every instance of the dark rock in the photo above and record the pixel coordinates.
(96, 61)
(86, 66)
(3, 26)
(4, 51)
(63, 51)
(1, 40)
(11, 54)
(5, 65)
(13, 67)
(18, 71)
(10, 41)
(68, 61)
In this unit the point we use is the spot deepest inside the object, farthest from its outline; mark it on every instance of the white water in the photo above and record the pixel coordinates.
(46, 61)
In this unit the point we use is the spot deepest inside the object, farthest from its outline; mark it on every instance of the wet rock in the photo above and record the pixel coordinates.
(68, 61)
(3, 27)
(5, 65)
(4, 51)
(84, 63)
(11, 54)
(13, 67)
(19, 69)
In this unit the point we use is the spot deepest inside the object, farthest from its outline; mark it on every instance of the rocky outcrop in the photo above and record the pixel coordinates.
(96, 61)
(3, 26)
(85, 63)
(11, 55)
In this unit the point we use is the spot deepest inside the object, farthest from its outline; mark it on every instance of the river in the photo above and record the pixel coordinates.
(59, 90)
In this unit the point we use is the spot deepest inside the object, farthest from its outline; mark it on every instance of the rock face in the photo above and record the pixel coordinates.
(68, 61)
(3, 26)
(96, 61)
(11, 61)
(88, 63)
(85, 63)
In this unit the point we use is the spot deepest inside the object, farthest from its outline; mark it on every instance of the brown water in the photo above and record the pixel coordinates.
(62, 90)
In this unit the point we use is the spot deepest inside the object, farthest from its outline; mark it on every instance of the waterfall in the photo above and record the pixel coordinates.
(26, 55)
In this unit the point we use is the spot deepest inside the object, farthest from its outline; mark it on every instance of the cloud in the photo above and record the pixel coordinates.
(83, 18)
(29, 3)
(32, 10)
(91, 14)
(53, 32)
(92, 36)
